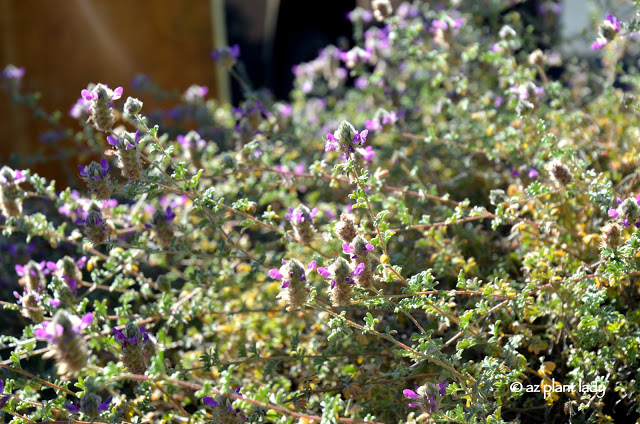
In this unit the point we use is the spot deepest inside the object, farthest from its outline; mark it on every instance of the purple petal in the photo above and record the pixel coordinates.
(41, 333)
(275, 274)
(413, 404)
(105, 405)
(20, 270)
(347, 249)
(117, 93)
(369, 246)
(72, 408)
(324, 272)
(118, 334)
(410, 394)
(443, 387)
(209, 401)
(359, 270)
(54, 302)
(312, 265)
(104, 164)
(112, 140)
(86, 94)
(86, 320)
(285, 284)
(613, 213)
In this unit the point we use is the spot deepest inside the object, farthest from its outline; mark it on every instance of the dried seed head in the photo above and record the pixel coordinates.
(32, 309)
(611, 235)
(346, 227)
(507, 33)
(10, 194)
(382, 9)
(537, 58)
(560, 173)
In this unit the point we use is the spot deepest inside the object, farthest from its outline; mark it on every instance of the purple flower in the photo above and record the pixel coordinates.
(614, 21)
(275, 274)
(443, 387)
(12, 72)
(74, 409)
(410, 394)
(49, 331)
(170, 214)
(360, 138)
(209, 401)
(613, 213)
(324, 272)
(105, 405)
(332, 143)
(599, 44)
(359, 270)
(311, 266)
(533, 173)
(348, 250)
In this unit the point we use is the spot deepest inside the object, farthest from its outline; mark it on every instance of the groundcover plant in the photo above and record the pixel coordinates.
(440, 226)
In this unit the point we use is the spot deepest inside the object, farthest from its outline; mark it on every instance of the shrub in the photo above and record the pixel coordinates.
(432, 229)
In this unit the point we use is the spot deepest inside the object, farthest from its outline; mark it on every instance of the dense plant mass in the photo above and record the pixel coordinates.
(441, 226)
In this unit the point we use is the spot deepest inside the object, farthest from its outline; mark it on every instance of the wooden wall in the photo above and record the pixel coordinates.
(66, 44)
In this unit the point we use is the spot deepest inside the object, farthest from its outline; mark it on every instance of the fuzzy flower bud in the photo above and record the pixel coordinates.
(129, 160)
(611, 235)
(94, 227)
(163, 226)
(68, 346)
(560, 173)
(302, 221)
(382, 9)
(10, 196)
(100, 104)
(294, 282)
(339, 273)
(226, 56)
(137, 348)
(132, 106)
(346, 227)
(97, 180)
(69, 271)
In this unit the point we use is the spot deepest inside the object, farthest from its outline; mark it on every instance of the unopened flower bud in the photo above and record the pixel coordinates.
(132, 106)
